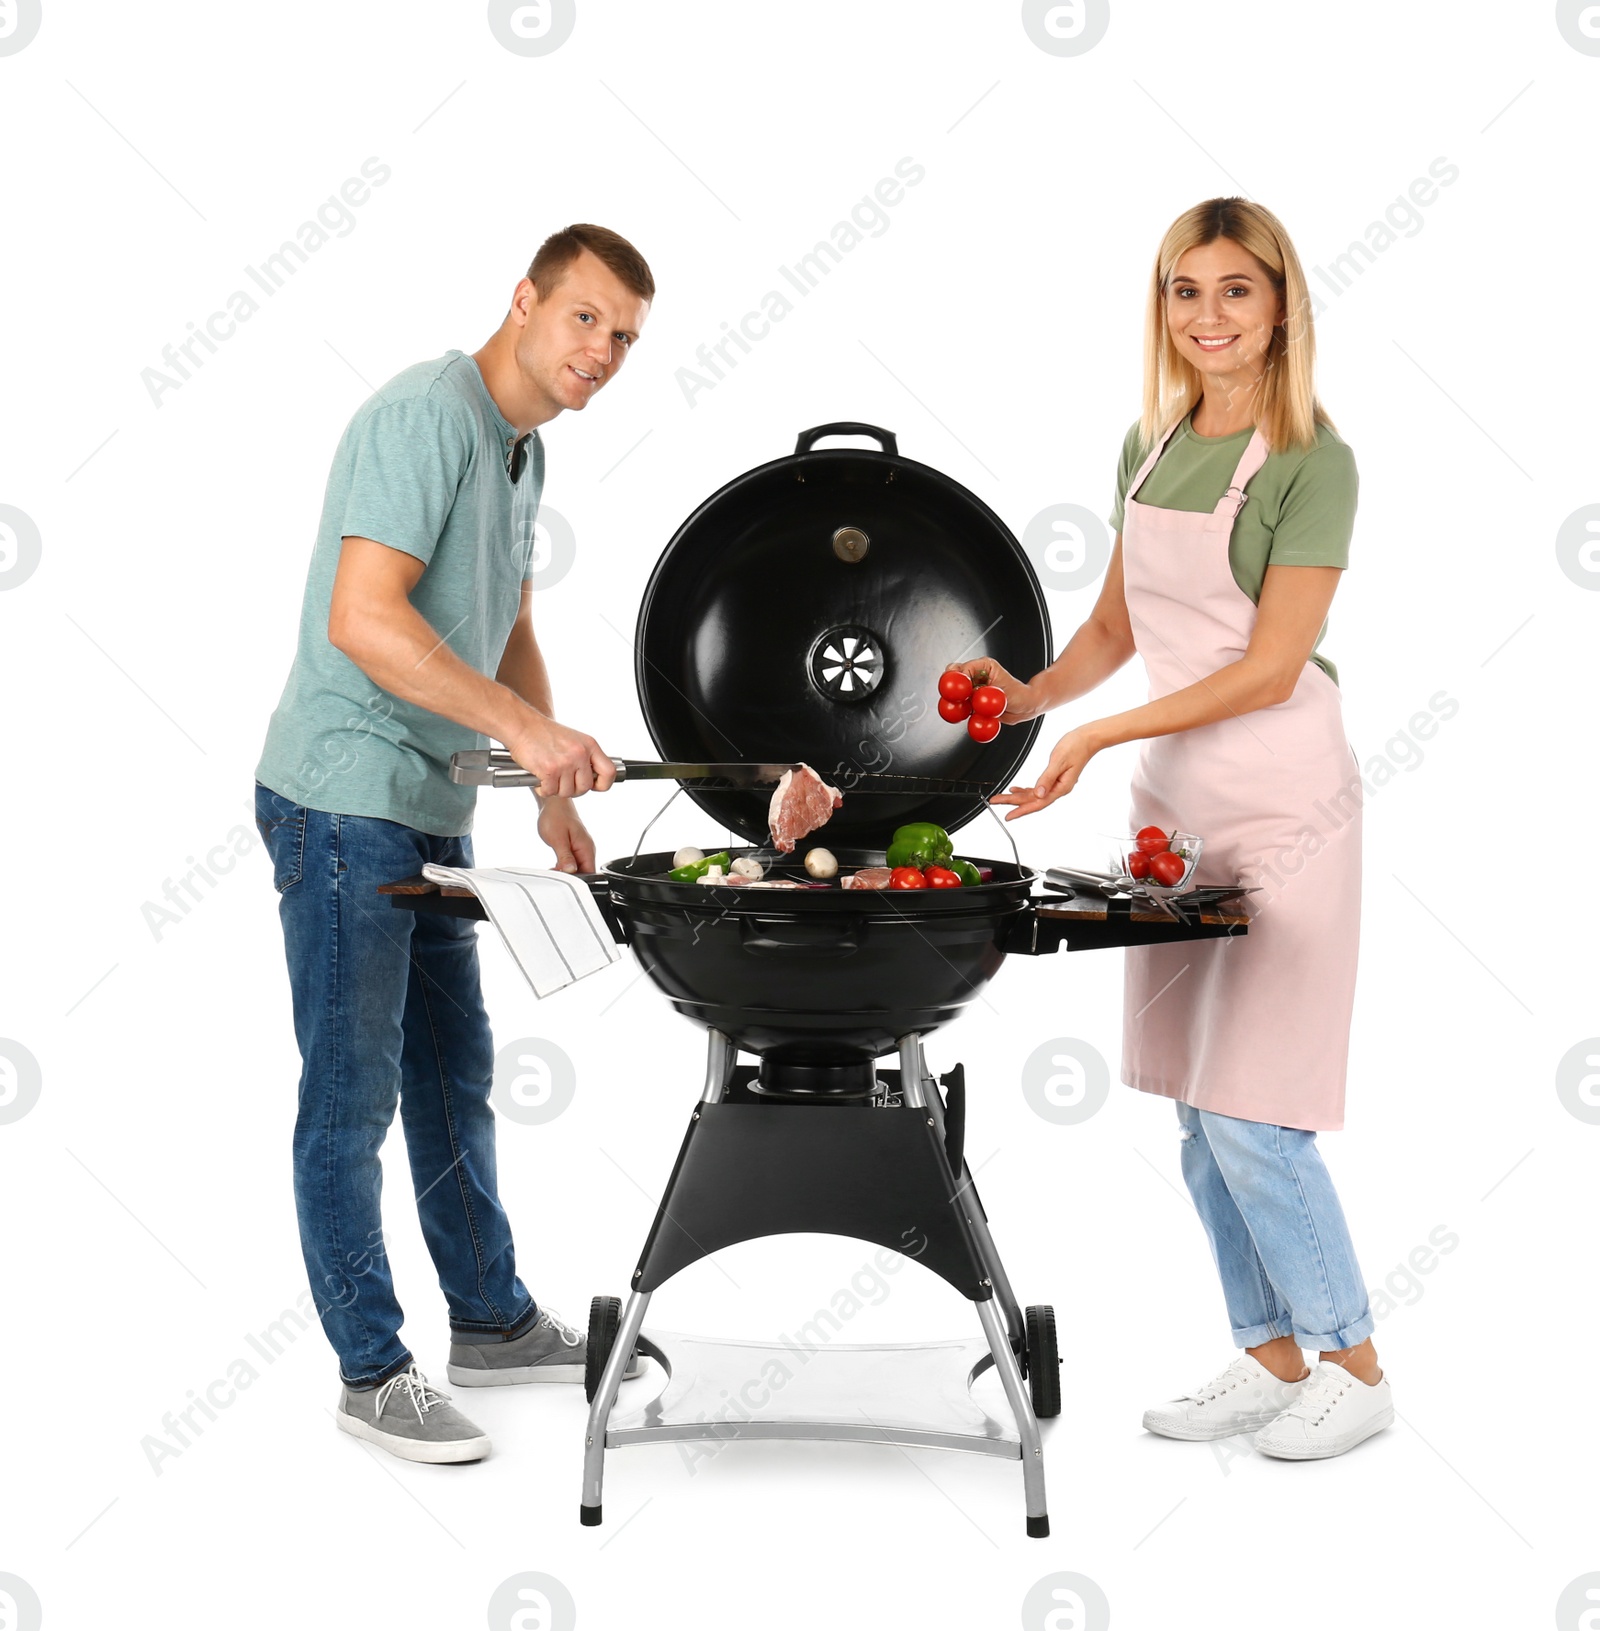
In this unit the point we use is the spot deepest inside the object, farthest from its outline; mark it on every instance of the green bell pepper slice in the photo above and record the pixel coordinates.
(698, 869)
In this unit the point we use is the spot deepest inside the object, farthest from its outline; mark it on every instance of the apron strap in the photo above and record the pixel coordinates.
(1149, 463)
(1250, 461)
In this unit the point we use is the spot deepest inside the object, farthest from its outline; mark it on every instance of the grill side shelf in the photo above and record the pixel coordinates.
(420, 894)
(1091, 922)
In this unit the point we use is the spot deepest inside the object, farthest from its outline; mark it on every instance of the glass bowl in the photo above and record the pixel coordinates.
(1184, 844)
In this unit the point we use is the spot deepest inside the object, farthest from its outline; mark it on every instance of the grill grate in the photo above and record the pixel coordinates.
(883, 782)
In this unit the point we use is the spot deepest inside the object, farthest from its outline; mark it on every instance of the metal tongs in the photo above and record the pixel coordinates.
(1069, 879)
(494, 767)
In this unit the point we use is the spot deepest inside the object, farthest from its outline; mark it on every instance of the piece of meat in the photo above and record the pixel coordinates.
(801, 802)
(869, 877)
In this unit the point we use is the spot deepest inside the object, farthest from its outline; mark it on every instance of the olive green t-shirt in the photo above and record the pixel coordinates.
(1302, 507)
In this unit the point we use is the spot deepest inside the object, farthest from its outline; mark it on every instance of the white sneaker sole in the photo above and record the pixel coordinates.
(1321, 1452)
(410, 1449)
(1203, 1435)
(460, 1376)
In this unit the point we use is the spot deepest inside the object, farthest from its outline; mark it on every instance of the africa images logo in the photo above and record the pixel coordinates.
(19, 22)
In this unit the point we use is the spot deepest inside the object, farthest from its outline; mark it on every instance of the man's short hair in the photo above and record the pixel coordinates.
(558, 252)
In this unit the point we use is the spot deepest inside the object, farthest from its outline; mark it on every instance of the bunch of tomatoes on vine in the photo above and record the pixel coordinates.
(975, 701)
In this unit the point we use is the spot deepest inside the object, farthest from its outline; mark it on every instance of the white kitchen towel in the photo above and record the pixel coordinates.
(549, 920)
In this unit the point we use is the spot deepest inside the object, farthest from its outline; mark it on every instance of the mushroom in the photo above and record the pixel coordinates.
(820, 863)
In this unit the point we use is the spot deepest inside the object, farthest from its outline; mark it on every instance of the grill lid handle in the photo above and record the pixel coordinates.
(794, 937)
(808, 439)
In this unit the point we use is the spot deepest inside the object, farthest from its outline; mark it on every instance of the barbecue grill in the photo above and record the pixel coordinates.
(804, 612)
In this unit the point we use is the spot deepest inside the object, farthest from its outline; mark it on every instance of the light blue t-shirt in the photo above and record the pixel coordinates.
(422, 467)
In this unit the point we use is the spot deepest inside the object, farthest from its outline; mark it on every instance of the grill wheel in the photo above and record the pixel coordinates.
(1044, 1363)
(605, 1316)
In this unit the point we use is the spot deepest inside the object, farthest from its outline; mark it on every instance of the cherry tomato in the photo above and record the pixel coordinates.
(941, 877)
(989, 701)
(954, 686)
(907, 877)
(1150, 840)
(953, 709)
(983, 730)
(1166, 868)
(1138, 864)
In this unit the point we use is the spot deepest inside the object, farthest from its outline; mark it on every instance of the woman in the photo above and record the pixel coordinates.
(1235, 505)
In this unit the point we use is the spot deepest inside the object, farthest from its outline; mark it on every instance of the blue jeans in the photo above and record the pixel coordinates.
(1277, 1232)
(387, 1011)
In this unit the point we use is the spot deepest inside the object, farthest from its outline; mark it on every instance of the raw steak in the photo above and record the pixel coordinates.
(801, 802)
(869, 877)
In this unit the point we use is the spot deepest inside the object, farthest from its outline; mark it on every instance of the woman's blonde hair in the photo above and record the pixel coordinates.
(1287, 410)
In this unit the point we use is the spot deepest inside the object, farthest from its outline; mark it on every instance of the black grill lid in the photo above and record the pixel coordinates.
(806, 612)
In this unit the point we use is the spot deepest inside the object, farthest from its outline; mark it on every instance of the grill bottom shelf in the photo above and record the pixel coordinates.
(724, 1392)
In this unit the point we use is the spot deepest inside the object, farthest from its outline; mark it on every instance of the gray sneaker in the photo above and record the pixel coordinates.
(550, 1350)
(411, 1419)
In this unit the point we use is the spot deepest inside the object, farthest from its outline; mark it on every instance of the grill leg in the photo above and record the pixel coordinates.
(979, 1223)
(594, 1452)
(912, 1070)
(720, 1058)
(1005, 1362)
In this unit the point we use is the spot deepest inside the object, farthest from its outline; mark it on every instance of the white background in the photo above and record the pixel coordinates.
(145, 1204)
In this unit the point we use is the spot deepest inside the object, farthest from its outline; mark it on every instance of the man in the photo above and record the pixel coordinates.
(419, 592)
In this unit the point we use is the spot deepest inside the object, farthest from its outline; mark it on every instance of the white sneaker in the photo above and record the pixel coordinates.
(1334, 1412)
(1244, 1397)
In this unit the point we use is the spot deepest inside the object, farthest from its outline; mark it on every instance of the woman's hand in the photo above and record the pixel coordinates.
(1059, 777)
(1022, 701)
(562, 828)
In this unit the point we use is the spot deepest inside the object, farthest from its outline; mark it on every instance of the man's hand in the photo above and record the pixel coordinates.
(567, 762)
(562, 828)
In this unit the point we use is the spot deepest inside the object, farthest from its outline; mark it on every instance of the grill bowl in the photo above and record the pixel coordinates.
(817, 976)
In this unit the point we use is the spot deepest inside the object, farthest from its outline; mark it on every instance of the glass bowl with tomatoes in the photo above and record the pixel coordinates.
(1158, 861)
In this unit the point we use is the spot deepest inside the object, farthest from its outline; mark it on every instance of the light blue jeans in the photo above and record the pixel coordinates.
(1277, 1232)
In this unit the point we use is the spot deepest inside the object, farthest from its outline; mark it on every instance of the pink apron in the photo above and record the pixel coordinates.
(1257, 1027)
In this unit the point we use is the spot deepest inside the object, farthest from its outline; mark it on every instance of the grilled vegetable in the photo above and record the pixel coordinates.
(907, 877)
(820, 863)
(941, 877)
(745, 867)
(688, 855)
(965, 871)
